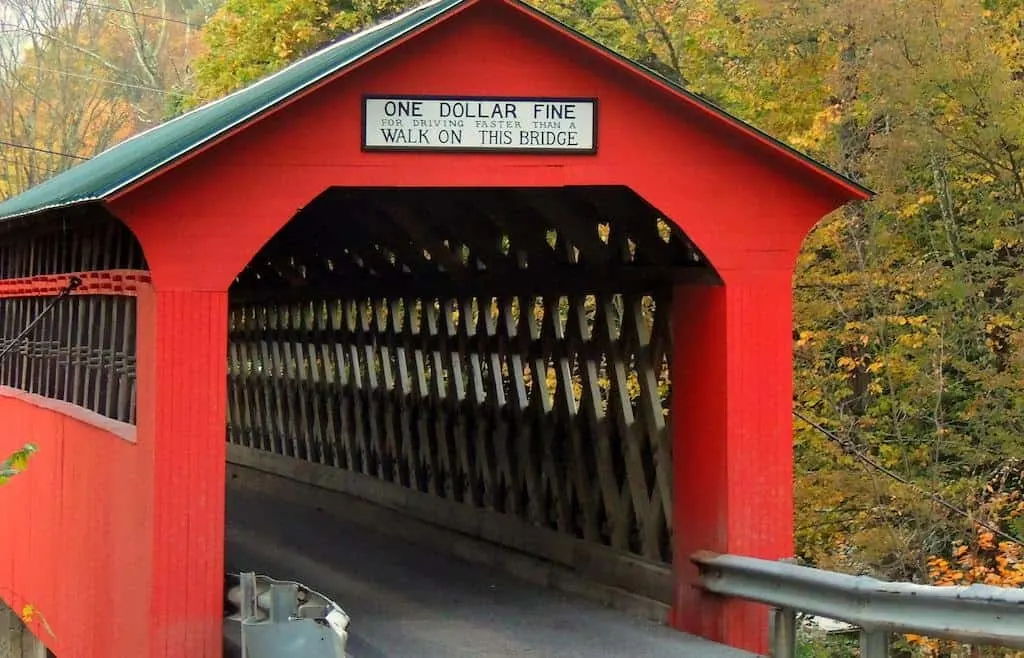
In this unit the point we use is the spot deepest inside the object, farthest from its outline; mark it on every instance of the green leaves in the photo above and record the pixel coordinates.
(16, 463)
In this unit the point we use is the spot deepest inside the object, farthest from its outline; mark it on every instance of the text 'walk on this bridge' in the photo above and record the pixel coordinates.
(468, 283)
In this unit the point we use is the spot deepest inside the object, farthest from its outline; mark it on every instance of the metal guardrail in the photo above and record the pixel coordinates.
(284, 619)
(978, 614)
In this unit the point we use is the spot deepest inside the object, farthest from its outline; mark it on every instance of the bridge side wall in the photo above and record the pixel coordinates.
(76, 541)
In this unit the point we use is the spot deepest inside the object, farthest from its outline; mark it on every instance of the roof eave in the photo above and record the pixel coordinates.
(283, 101)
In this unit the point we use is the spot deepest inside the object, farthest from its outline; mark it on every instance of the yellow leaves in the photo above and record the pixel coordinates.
(984, 560)
(29, 615)
(664, 230)
(16, 463)
(890, 455)
(917, 321)
(820, 129)
(998, 329)
(914, 341)
(999, 320)
(916, 207)
(246, 39)
(848, 364)
(928, 644)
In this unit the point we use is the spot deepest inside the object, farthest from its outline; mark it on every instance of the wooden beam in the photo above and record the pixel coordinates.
(475, 229)
(639, 219)
(566, 218)
(354, 235)
(421, 235)
(527, 232)
(562, 280)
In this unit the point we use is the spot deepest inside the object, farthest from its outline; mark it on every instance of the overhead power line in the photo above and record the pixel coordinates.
(132, 12)
(11, 27)
(83, 76)
(26, 147)
(851, 449)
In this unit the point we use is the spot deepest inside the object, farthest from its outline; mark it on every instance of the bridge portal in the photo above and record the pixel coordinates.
(468, 265)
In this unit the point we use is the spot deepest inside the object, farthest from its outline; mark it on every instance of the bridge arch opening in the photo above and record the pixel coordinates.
(492, 360)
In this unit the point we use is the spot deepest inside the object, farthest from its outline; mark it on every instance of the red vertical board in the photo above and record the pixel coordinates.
(185, 345)
(732, 442)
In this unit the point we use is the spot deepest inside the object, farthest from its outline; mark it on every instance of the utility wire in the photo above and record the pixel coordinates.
(92, 77)
(132, 12)
(848, 447)
(26, 147)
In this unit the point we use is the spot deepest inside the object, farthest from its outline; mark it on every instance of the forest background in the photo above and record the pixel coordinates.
(909, 323)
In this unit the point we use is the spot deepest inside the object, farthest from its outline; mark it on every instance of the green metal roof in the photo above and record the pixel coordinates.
(133, 159)
(136, 157)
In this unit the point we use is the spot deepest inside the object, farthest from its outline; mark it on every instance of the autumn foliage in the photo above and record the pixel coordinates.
(909, 309)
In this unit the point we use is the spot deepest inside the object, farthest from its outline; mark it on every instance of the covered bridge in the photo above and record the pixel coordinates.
(468, 264)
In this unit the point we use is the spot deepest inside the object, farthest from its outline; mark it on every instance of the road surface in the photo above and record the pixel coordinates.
(409, 602)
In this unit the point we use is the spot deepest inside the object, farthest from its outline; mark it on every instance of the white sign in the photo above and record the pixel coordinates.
(410, 123)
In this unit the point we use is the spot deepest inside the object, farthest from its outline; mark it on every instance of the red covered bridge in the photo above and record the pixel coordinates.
(467, 265)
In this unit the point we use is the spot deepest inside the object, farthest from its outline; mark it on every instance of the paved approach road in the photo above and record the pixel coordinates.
(409, 602)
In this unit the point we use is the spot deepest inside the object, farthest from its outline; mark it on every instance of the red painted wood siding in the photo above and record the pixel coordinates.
(75, 534)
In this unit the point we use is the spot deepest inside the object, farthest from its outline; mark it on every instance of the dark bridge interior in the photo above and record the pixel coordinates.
(472, 241)
(497, 360)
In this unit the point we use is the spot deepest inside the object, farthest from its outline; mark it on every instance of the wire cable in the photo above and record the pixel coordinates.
(41, 150)
(132, 12)
(849, 448)
(73, 283)
(83, 76)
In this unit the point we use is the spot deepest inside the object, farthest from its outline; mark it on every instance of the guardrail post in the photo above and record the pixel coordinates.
(874, 644)
(283, 619)
(782, 625)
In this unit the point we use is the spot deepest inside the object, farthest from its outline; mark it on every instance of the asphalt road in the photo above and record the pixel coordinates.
(408, 602)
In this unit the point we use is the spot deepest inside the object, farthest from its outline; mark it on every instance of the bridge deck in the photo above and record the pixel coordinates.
(406, 601)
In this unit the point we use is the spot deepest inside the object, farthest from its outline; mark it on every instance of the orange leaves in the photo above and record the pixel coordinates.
(986, 560)
(983, 561)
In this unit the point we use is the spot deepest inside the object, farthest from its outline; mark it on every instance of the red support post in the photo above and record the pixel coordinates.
(732, 442)
(182, 372)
